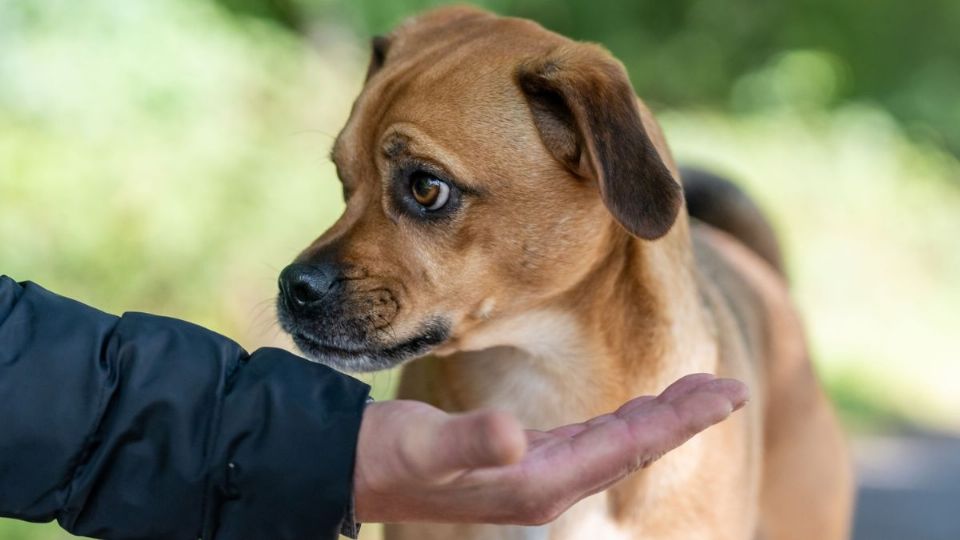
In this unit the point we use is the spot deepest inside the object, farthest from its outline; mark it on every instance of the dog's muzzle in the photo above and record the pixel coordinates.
(346, 323)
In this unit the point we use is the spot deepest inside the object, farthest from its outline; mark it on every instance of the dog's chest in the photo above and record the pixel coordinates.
(553, 379)
(540, 396)
(546, 377)
(588, 519)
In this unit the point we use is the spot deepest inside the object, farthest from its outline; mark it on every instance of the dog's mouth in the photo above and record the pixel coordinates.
(346, 355)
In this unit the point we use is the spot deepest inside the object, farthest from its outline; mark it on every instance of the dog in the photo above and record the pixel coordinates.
(516, 224)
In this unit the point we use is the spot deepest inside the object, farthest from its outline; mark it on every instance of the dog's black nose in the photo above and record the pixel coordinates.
(303, 286)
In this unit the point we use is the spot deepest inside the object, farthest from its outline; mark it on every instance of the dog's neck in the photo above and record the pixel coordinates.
(631, 326)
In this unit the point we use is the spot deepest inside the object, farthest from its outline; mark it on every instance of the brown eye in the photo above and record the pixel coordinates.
(429, 192)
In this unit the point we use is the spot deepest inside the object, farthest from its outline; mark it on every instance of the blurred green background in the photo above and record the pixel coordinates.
(170, 156)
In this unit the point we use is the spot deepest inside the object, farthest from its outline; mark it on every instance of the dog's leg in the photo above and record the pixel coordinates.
(808, 485)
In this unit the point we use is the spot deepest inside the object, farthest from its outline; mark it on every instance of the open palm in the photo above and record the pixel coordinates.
(418, 463)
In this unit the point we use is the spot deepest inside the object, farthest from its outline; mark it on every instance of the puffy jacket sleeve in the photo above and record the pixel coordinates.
(148, 427)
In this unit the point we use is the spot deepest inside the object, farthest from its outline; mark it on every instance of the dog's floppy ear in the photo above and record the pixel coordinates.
(378, 54)
(586, 113)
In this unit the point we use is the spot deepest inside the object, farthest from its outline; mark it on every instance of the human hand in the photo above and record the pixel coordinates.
(418, 463)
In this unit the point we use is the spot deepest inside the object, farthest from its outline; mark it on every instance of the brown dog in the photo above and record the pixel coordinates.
(513, 209)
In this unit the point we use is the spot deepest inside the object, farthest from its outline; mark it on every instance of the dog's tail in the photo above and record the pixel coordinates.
(722, 204)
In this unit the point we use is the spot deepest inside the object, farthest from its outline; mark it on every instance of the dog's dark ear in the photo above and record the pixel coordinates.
(586, 112)
(378, 54)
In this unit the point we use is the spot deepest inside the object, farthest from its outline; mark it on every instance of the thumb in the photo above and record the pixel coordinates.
(478, 439)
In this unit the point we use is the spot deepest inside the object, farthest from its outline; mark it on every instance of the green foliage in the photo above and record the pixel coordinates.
(904, 56)
(144, 146)
(18, 530)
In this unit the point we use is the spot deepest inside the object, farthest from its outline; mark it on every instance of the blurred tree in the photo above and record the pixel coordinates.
(903, 56)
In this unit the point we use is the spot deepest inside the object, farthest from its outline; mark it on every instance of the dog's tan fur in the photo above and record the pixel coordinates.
(557, 313)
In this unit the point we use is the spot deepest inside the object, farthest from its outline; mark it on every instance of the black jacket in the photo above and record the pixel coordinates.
(148, 427)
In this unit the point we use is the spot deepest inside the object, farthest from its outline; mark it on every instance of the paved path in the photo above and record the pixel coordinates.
(909, 488)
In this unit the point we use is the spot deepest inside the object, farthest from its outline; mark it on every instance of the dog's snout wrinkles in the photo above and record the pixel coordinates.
(305, 285)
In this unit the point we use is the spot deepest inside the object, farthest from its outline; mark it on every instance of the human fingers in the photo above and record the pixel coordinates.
(485, 438)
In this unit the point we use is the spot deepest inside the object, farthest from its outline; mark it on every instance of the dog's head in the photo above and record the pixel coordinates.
(484, 164)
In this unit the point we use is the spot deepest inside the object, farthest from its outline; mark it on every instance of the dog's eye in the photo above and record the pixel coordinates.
(429, 191)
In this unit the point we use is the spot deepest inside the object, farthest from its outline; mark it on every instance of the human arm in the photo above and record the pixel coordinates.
(148, 427)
